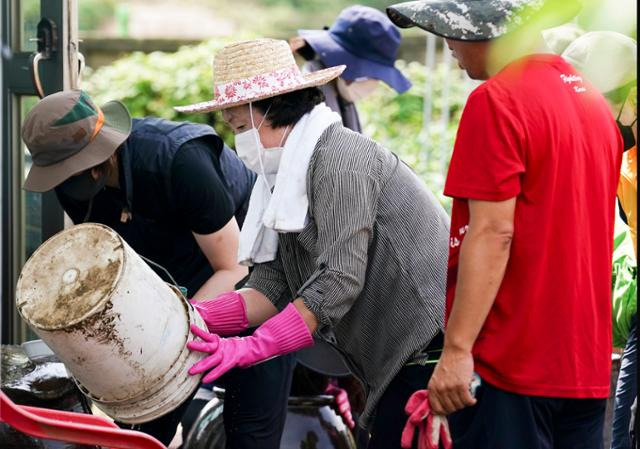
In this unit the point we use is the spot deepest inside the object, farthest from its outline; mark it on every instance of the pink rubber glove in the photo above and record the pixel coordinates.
(225, 315)
(342, 401)
(286, 332)
(431, 428)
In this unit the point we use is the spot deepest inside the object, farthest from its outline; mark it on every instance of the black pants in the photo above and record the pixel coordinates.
(503, 420)
(390, 419)
(255, 403)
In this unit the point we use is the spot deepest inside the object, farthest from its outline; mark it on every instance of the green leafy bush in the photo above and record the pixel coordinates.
(91, 14)
(397, 121)
(151, 84)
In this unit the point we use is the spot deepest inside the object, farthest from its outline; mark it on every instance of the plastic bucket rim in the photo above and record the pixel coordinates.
(152, 411)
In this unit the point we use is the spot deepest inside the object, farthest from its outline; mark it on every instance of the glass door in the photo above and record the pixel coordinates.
(38, 50)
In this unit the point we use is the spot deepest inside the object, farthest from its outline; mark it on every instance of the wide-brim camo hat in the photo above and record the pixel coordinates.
(479, 20)
(66, 133)
(250, 71)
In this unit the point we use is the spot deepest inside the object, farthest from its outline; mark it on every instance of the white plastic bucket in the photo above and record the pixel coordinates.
(119, 329)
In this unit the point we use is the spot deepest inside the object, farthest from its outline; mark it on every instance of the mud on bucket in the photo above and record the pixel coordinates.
(119, 329)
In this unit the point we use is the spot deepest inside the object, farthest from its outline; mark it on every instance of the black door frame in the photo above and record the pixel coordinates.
(17, 82)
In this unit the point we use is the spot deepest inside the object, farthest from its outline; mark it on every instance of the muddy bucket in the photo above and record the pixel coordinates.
(118, 328)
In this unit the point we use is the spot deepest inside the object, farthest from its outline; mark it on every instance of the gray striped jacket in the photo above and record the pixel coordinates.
(370, 264)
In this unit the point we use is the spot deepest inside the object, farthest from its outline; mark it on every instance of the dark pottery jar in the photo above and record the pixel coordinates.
(312, 423)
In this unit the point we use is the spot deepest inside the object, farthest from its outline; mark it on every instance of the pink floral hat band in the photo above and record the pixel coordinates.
(258, 86)
(277, 75)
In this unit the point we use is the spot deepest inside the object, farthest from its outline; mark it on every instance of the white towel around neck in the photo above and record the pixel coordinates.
(286, 209)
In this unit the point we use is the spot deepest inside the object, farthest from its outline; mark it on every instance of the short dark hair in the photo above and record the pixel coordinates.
(106, 168)
(307, 52)
(287, 109)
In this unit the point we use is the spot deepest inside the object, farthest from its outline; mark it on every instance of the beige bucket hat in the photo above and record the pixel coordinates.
(249, 71)
(608, 59)
(559, 38)
(66, 133)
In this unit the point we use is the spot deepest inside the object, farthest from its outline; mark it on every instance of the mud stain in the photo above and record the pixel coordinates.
(101, 328)
(74, 301)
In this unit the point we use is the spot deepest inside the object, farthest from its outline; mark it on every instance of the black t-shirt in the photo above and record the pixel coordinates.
(200, 191)
(161, 227)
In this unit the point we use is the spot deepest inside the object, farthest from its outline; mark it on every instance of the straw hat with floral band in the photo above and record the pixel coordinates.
(66, 134)
(250, 71)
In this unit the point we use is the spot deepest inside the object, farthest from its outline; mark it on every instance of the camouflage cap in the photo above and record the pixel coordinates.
(478, 20)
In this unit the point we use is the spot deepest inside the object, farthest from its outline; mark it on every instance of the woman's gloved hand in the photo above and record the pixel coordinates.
(225, 314)
(284, 333)
(342, 401)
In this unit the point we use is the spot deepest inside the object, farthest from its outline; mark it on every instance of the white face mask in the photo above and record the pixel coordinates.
(357, 90)
(261, 160)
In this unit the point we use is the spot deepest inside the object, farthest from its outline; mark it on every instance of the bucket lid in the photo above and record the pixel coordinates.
(70, 276)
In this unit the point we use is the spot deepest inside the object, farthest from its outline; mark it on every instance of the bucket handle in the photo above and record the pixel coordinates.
(157, 265)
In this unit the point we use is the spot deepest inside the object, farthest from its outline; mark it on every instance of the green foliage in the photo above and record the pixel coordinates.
(91, 14)
(618, 15)
(152, 84)
(29, 16)
(284, 17)
(309, 6)
(396, 121)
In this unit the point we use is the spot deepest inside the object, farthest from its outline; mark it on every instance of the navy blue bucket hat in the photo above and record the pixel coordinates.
(366, 41)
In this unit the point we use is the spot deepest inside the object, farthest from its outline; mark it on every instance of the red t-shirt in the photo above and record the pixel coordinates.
(538, 132)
